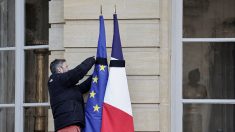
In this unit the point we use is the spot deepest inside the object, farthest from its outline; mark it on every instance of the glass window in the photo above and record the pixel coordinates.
(36, 65)
(36, 75)
(205, 93)
(208, 18)
(36, 119)
(7, 77)
(208, 118)
(7, 23)
(7, 119)
(24, 63)
(208, 70)
(37, 25)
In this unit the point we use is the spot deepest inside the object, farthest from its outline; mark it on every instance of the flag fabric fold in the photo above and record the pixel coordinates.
(93, 111)
(117, 112)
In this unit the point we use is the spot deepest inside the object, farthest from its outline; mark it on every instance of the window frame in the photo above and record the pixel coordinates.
(177, 68)
(19, 50)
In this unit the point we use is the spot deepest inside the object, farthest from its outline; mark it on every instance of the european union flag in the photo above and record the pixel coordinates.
(99, 81)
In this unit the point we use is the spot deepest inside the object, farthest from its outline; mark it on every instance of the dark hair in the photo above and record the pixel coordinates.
(194, 75)
(55, 63)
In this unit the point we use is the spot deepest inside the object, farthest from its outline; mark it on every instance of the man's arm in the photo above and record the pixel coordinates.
(85, 86)
(73, 76)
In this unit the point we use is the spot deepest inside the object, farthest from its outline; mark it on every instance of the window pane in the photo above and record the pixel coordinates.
(36, 75)
(37, 27)
(208, 18)
(7, 117)
(208, 118)
(7, 23)
(209, 70)
(7, 77)
(36, 119)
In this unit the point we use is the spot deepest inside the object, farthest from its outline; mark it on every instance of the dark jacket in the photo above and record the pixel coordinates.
(66, 97)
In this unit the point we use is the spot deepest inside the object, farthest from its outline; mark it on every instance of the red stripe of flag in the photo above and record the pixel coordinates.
(116, 120)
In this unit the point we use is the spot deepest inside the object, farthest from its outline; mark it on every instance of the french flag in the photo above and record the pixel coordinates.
(117, 113)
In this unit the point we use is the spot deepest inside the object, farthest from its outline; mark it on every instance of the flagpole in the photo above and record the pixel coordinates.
(101, 10)
(115, 9)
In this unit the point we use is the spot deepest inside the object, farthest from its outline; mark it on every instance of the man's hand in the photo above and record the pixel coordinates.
(92, 59)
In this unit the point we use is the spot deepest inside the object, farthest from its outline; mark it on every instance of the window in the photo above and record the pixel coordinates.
(23, 65)
(203, 66)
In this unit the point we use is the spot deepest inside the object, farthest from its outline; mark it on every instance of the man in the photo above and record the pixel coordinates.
(66, 96)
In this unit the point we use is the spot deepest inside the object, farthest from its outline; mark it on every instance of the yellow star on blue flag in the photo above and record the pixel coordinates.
(96, 108)
(92, 94)
(102, 67)
(95, 79)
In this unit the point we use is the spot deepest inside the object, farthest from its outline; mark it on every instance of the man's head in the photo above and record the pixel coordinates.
(58, 66)
(194, 76)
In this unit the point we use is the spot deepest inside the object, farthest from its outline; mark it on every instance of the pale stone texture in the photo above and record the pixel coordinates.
(144, 89)
(165, 104)
(146, 117)
(126, 9)
(56, 37)
(56, 11)
(139, 33)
